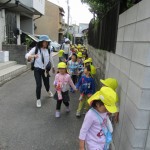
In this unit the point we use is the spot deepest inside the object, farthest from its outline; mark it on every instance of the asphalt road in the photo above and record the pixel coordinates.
(25, 127)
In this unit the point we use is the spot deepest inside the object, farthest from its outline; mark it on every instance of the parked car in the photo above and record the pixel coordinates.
(56, 46)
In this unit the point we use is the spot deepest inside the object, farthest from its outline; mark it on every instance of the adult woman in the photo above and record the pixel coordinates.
(42, 57)
(66, 48)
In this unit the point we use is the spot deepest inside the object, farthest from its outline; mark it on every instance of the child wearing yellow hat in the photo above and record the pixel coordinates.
(80, 64)
(88, 62)
(62, 84)
(86, 85)
(61, 56)
(96, 130)
(113, 84)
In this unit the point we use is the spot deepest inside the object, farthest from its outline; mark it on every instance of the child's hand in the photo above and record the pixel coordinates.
(116, 117)
(76, 90)
(89, 95)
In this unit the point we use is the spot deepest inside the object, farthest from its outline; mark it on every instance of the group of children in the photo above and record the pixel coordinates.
(76, 74)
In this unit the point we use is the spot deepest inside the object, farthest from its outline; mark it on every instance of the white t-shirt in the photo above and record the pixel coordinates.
(66, 48)
(38, 61)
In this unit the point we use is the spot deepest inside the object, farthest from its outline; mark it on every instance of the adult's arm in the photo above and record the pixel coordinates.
(31, 54)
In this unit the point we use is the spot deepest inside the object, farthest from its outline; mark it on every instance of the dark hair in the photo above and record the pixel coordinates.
(88, 68)
(40, 44)
(94, 103)
(58, 71)
(75, 55)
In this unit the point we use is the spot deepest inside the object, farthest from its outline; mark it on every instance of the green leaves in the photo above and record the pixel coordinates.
(99, 7)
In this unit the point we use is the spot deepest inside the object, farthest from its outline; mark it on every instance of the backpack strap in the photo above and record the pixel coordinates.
(36, 51)
(49, 51)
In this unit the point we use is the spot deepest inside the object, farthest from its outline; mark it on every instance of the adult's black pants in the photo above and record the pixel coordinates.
(66, 56)
(39, 74)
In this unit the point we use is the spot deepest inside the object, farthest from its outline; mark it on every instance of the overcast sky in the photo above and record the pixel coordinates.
(79, 13)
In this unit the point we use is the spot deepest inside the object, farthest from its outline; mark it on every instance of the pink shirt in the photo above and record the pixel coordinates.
(91, 131)
(65, 81)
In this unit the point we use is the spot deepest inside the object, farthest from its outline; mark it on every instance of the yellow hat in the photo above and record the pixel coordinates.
(86, 61)
(76, 50)
(93, 70)
(79, 46)
(60, 53)
(62, 65)
(90, 59)
(110, 82)
(108, 96)
(79, 54)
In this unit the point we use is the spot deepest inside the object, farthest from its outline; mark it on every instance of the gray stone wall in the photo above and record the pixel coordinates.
(16, 52)
(130, 65)
(100, 59)
(2, 28)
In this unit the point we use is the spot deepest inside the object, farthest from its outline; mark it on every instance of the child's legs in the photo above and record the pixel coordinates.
(66, 104)
(86, 106)
(74, 79)
(58, 105)
(81, 104)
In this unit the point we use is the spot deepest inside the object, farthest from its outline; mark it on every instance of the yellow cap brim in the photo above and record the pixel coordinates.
(103, 82)
(96, 96)
(93, 97)
(111, 109)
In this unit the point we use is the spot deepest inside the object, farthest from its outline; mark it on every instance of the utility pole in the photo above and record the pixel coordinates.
(68, 18)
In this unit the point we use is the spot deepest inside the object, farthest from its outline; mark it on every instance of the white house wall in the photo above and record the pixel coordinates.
(38, 5)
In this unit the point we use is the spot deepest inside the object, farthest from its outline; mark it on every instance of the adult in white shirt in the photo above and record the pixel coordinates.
(42, 56)
(66, 48)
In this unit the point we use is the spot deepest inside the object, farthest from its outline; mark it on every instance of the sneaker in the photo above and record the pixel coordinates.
(38, 103)
(50, 94)
(57, 114)
(67, 109)
(78, 114)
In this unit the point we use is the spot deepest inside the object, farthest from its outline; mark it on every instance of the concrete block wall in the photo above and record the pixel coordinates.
(100, 58)
(130, 65)
(2, 27)
(16, 52)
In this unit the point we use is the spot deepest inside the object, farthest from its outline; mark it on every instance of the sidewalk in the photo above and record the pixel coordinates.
(25, 127)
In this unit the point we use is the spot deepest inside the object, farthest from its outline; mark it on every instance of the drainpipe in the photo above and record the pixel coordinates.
(37, 17)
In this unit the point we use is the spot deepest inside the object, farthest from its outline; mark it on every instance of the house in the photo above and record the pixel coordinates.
(73, 29)
(17, 16)
(83, 26)
(52, 23)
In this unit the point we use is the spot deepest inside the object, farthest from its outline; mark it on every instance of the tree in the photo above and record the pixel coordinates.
(101, 7)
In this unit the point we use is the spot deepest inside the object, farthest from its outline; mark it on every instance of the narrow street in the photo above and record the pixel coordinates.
(25, 127)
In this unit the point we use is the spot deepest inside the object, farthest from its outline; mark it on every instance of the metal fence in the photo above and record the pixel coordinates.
(11, 26)
(102, 34)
